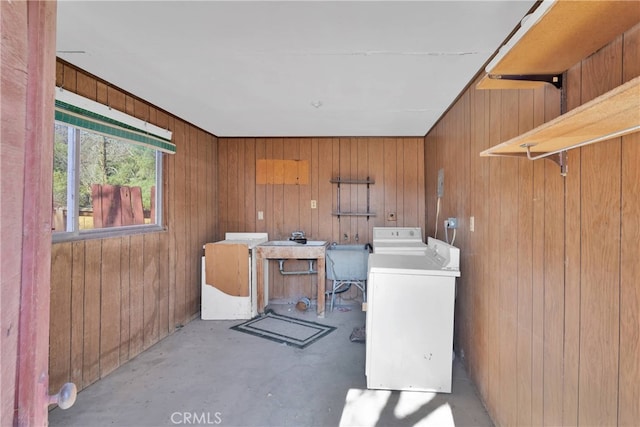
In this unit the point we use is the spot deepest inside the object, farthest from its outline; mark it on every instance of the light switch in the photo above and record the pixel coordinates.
(260, 215)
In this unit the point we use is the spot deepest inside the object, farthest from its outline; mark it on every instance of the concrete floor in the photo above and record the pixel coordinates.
(207, 374)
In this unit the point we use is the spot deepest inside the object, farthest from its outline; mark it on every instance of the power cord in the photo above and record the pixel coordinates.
(435, 235)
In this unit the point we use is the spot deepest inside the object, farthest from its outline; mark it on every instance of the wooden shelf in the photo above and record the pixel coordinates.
(611, 115)
(341, 181)
(367, 214)
(564, 34)
(352, 181)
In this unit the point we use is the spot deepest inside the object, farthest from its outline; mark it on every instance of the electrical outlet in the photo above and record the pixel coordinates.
(441, 183)
(314, 204)
(452, 223)
(260, 215)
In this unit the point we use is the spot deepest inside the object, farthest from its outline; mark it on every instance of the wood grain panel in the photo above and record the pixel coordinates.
(136, 295)
(352, 160)
(291, 193)
(600, 274)
(304, 189)
(411, 198)
(335, 171)
(553, 278)
(572, 265)
(77, 313)
(150, 290)
(537, 303)
(494, 395)
(125, 301)
(278, 195)
(86, 86)
(508, 293)
(362, 171)
(170, 220)
(311, 153)
(479, 188)
(376, 167)
(249, 188)
(600, 254)
(261, 202)
(525, 268)
(60, 330)
(110, 302)
(223, 185)
(194, 249)
(399, 180)
(91, 338)
(390, 183)
(325, 189)
(629, 370)
(179, 229)
(346, 201)
(164, 325)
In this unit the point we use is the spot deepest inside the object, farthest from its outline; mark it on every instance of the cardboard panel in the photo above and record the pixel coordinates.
(277, 171)
(227, 268)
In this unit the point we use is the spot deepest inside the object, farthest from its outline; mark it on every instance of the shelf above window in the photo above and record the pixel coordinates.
(614, 114)
(556, 36)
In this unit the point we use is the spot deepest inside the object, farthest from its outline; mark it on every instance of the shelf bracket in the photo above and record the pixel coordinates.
(554, 79)
(559, 158)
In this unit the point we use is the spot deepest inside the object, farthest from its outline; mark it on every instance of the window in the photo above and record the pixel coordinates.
(107, 174)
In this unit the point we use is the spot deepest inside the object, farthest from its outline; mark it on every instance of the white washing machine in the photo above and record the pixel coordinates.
(229, 281)
(409, 331)
(404, 240)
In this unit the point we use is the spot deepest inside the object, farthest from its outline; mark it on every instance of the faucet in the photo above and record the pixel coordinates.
(297, 235)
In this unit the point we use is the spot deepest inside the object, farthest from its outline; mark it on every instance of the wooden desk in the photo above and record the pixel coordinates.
(282, 249)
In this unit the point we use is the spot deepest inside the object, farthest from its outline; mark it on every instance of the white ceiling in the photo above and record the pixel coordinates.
(293, 68)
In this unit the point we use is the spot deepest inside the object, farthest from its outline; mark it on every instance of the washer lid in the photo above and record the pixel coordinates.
(397, 247)
(414, 265)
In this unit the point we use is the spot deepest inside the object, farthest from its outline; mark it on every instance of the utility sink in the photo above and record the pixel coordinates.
(294, 244)
(289, 249)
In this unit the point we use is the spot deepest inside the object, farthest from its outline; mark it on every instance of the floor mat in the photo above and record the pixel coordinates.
(283, 329)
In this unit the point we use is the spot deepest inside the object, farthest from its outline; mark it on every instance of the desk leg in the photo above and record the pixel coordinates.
(321, 285)
(260, 272)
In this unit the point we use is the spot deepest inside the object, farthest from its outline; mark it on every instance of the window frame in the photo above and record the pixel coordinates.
(93, 109)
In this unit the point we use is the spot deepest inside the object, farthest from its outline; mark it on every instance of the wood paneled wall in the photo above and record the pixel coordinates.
(113, 298)
(396, 165)
(548, 308)
(27, 62)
